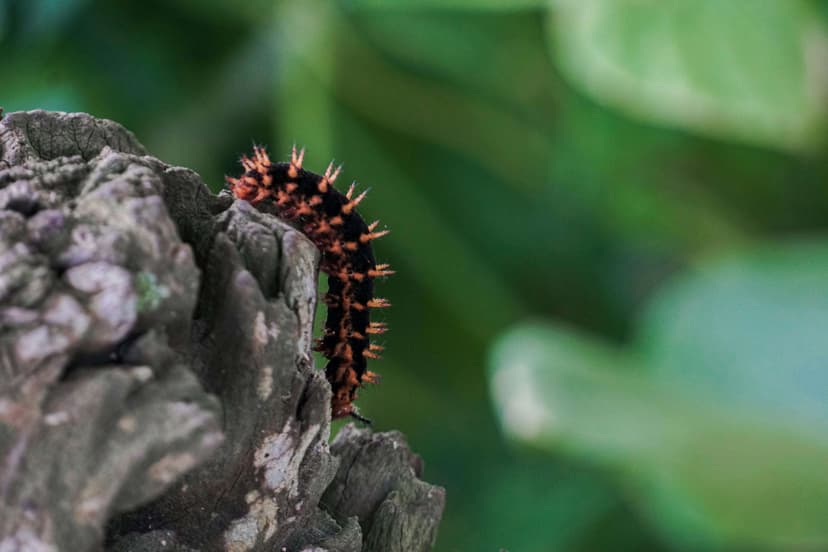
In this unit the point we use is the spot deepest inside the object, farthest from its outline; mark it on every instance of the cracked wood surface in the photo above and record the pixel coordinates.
(156, 384)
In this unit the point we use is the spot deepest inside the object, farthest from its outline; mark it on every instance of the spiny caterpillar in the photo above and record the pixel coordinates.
(330, 220)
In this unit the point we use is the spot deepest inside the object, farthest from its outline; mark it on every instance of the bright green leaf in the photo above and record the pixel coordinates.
(751, 330)
(716, 420)
(752, 70)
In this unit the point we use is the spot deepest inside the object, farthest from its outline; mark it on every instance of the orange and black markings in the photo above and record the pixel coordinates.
(330, 220)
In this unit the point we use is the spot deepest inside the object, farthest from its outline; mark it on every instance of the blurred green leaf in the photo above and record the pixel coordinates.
(712, 417)
(439, 113)
(471, 5)
(751, 330)
(45, 19)
(552, 386)
(746, 69)
(306, 49)
(470, 51)
(252, 11)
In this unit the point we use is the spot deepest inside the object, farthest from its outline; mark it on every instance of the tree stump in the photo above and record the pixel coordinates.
(157, 390)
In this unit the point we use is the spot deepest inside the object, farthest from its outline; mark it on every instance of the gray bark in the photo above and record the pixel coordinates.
(156, 385)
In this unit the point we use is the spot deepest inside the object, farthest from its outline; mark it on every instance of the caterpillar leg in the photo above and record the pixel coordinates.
(356, 415)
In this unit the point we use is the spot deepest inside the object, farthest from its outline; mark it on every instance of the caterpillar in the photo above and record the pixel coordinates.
(330, 220)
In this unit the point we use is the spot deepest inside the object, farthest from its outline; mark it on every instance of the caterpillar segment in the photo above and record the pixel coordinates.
(330, 220)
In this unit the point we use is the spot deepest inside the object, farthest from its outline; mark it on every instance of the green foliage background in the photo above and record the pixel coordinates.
(609, 224)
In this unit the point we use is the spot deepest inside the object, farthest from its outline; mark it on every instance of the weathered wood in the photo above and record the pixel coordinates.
(156, 384)
(378, 484)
